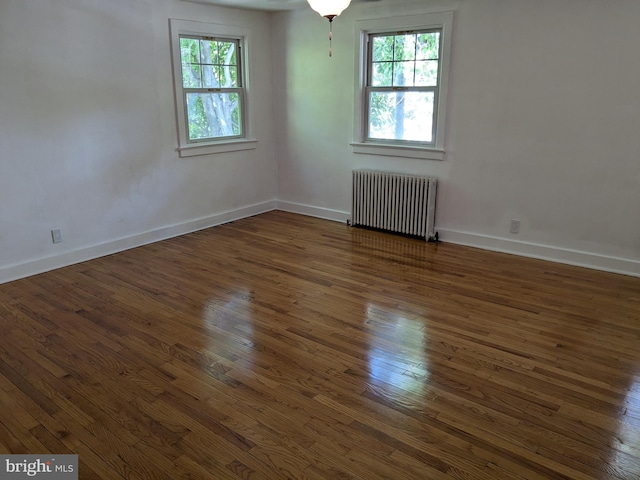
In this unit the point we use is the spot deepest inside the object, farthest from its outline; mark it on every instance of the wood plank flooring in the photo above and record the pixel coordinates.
(282, 346)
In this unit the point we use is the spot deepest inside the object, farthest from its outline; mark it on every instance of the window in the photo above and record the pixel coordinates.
(403, 86)
(209, 67)
(212, 88)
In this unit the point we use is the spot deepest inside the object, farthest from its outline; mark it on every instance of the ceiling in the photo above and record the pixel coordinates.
(268, 5)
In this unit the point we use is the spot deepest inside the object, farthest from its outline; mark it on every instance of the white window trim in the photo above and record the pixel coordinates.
(442, 20)
(187, 27)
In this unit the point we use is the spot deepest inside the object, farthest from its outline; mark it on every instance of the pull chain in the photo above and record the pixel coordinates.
(330, 37)
(330, 18)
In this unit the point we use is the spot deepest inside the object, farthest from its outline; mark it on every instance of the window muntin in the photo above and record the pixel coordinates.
(402, 86)
(212, 88)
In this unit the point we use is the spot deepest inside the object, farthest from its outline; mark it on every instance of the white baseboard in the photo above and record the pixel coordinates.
(311, 211)
(625, 266)
(34, 267)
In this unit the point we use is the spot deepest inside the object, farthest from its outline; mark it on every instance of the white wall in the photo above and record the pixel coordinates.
(88, 131)
(542, 126)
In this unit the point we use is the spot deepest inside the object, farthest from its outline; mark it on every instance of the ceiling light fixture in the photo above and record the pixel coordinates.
(329, 9)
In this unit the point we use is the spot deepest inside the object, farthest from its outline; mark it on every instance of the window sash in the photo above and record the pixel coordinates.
(413, 132)
(371, 62)
(369, 89)
(239, 90)
(201, 63)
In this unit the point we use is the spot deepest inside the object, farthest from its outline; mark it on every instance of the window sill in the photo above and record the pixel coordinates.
(389, 150)
(218, 147)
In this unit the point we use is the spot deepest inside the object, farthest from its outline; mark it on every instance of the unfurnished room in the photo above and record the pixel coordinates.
(319, 239)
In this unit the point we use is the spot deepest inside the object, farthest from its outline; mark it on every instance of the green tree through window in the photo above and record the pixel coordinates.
(402, 86)
(212, 87)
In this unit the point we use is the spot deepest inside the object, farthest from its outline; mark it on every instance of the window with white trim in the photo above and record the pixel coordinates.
(212, 87)
(403, 85)
(210, 77)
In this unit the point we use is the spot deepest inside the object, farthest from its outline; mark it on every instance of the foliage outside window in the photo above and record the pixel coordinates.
(402, 87)
(212, 88)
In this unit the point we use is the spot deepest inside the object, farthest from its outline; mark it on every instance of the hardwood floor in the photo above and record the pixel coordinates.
(283, 346)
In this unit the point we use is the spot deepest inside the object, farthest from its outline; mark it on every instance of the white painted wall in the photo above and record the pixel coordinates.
(88, 131)
(543, 125)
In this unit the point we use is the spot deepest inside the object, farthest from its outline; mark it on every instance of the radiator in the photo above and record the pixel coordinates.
(395, 202)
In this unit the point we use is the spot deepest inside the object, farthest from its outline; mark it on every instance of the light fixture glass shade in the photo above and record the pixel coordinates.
(329, 8)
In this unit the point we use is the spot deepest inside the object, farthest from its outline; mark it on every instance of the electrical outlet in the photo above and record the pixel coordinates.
(515, 226)
(56, 235)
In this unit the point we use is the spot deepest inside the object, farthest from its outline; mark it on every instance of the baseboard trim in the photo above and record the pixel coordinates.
(624, 266)
(606, 263)
(578, 258)
(15, 272)
(311, 211)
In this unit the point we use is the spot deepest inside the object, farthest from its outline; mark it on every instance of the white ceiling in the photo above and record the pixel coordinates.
(269, 5)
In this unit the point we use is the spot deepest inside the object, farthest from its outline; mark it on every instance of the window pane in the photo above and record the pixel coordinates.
(208, 52)
(190, 56)
(229, 76)
(382, 49)
(227, 53)
(210, 76)
(401, 116)
(190, 50)
(428, 46)
(403, 73)
(213, 115)
(405, 47)
(191, 75)
(382, 74)
(427, 73)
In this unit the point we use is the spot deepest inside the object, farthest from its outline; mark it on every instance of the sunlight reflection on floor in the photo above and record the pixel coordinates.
(627, 439)
(407, 368)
